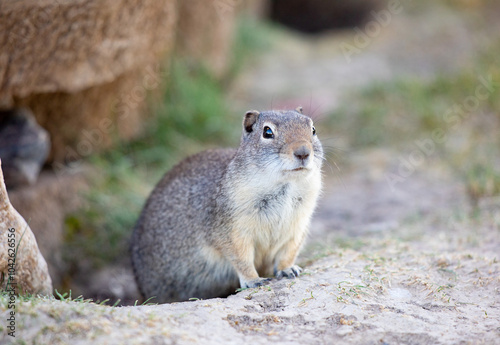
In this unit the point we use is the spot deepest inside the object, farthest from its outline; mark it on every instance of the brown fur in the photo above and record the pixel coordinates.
(228, 218)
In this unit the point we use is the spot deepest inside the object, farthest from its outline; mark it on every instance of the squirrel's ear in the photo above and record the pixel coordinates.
(250, 119)
(298, 110)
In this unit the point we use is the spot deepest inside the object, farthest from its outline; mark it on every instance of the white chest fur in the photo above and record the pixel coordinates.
(270, 212)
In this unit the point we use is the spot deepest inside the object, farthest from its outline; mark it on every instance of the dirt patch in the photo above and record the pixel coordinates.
(351, 296)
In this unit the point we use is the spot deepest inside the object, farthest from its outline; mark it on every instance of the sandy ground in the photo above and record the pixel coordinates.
(393, 271)
(405, 265)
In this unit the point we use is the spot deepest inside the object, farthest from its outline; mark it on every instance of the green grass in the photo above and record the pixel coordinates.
(252, 37)
(482, 180)
(403, 110)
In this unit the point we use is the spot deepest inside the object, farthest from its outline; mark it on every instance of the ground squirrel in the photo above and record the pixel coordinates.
(230, 218)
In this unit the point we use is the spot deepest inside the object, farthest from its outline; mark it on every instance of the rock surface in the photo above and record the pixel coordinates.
(205, 33)
(45, 206)
(85, 122)
(83, 67)
(69, 46)
(29, 274)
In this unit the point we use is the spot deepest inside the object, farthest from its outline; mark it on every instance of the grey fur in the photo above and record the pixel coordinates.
(187, 240)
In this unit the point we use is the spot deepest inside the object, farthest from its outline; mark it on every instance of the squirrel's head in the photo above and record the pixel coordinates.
(284, 141)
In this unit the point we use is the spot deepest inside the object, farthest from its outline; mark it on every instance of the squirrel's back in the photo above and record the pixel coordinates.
(174, 223)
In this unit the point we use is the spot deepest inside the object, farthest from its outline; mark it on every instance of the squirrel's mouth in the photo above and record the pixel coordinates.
(299, 169)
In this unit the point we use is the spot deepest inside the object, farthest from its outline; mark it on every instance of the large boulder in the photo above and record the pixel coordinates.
(45, 206)
(69, 46)
(205, 33)
(83, 65)
(21, 263)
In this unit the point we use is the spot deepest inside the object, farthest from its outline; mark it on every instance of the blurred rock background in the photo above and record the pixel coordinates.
(124, 89)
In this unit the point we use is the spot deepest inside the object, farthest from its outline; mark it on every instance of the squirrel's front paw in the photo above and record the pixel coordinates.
(255, 283)
(290, 272)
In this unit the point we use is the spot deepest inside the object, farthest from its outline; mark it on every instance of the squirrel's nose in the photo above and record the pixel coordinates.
(302, 153)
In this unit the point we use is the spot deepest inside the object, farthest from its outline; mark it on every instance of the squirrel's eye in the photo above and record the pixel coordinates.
(268, 133)
(314, 131)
